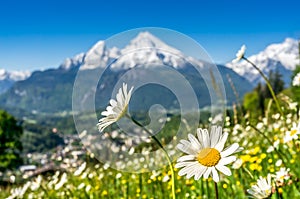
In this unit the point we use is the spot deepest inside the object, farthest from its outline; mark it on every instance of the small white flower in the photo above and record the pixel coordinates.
(262, 189)
(237, 164)
(119, 175)
(131, 151)
(62, 181)
(278, 163)
(117, 108)
(20, 191)
(80, 169)
(293, 105)
(35, 185)
(292, 134)
(240, 54)
(88, 188)
(81, 186)
(282, 175)
(166, 178)
(206, 154)
(155, 174)
(296, 80)
(274, 146)
(270, 149)
(12, 178)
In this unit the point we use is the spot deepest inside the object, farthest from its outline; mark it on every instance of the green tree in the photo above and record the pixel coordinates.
(276, 82)
(10, 144)
(256, 101)
(37, 138)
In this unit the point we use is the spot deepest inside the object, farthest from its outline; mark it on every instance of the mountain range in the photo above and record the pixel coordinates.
(50, 91)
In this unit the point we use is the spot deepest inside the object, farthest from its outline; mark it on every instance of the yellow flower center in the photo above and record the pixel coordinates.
(209, 157)
(293, 132)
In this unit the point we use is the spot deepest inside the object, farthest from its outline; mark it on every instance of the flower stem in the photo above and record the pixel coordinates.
(207, 187)
(248, 172)
(268, 84)
(164, 151)
(216, 190)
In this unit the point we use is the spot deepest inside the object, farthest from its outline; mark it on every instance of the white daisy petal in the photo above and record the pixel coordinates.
(215, 174)
(183, 164)
(187, 169)
(113, 102)
(186, 158)
(215, 135)
(225, 170)
(199, 134)
(200, 172)
(119, 97)
(230, 150)
(192, 172)
(220, 145)
(206, 140)
(194, 142)
(186, 149)
(227, 160)
(207, 172)
(116, 109)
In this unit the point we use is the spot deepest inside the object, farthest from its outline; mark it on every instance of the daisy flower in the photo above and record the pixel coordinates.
(262, 189)
(117, 108)
(62, 181)
(240, 54)
(206, 154)
(292, 134)
(282, 175)
(296, 80)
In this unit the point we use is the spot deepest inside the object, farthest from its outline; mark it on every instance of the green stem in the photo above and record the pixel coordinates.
(268, 84)
(141, 185)
(164, 151)
(216, 190)
(207, 187)
(248, 172)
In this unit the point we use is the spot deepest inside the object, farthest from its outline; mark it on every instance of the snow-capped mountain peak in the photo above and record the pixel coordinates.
(14, 75)
(99, 56)
(143, 49)
(147, 40)
(98, 49)
(70, 62)
(282, 57)
(285, 52)
(8, 78)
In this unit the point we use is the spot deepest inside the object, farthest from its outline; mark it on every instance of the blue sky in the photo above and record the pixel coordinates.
(41, 34)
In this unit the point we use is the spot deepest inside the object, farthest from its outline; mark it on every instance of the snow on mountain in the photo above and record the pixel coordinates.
(99, 56)
(71, 62)
(7, 78)
(13, 75)
(282, 57)
(146, 48)
(147, 40)
(143, 49)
